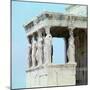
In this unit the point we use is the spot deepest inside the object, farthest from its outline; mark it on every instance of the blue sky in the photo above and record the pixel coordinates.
(21, 13)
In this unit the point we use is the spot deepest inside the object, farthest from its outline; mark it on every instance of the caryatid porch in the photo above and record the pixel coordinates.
(40, 31)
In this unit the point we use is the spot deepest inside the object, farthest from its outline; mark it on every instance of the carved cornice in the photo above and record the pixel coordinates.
(53, 16)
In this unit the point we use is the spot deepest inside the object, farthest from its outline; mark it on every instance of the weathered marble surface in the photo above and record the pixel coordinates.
(52, 75)
(34, 46)
(71, 48)
(41, 75)
(47, 48)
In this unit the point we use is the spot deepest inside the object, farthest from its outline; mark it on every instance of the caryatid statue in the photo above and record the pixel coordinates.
(71, 45)
(39, 53)
(47, 47)
(33, 51)
(30, 56)
(71, 48)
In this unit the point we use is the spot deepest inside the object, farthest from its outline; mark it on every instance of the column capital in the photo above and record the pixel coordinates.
(47, 29)
(71, 23)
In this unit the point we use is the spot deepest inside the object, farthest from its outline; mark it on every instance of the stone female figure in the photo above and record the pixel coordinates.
(47, 48)
(33, 52)
(39, 54)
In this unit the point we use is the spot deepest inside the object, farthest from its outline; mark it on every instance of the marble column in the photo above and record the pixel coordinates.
(47, 46)
(28, 62)
(29, 55)
(33, 52)
(39, 48)
(71, 47)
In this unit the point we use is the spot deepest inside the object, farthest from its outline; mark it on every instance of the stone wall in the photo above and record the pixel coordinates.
(52, 75)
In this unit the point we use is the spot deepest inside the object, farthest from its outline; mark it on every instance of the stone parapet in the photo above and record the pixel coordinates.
(52, 75)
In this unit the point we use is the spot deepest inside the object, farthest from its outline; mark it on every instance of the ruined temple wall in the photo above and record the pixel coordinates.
(52, 75)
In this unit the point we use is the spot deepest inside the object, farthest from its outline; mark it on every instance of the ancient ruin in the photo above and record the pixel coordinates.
(42, 72)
